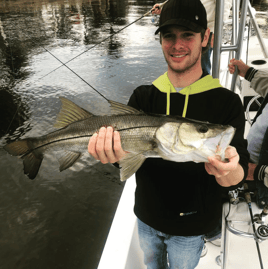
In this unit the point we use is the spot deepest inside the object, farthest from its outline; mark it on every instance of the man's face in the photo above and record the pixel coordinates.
(182, 48)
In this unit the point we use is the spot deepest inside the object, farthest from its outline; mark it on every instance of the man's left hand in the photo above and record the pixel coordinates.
(219, 168)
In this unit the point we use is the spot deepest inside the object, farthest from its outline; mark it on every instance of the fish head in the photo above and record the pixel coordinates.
(193, 141)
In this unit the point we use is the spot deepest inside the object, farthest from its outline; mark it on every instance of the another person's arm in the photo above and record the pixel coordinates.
(259, 82)
(156, 9)
(258, 78)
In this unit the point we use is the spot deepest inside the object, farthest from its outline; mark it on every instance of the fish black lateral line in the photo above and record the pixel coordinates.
(143, 135)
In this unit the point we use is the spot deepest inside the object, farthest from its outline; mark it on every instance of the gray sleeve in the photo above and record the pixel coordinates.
(260, 82)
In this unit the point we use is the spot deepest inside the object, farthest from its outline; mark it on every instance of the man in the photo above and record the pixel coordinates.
(177, 203)
(258, 133)
(210, 6)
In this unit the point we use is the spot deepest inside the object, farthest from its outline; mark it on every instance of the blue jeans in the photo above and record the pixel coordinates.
(183, 252)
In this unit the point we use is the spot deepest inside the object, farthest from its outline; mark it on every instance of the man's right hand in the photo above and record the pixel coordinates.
(105, 146)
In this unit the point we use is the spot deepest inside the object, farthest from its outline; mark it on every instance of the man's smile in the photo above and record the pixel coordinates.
(178, 56)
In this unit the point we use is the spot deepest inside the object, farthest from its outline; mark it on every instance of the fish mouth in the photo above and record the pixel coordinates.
(224, 142)
(217, 145)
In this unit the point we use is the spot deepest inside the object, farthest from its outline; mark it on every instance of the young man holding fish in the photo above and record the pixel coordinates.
(177, 203)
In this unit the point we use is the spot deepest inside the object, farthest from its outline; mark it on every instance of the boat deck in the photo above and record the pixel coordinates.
(242, 254)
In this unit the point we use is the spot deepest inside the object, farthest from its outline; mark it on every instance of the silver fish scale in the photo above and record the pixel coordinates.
(138, 139)
(136, 131)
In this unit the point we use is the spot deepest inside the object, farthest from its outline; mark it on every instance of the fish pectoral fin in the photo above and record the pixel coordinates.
(68, 159)
(69, 113)
(130, 164)
(119, 108)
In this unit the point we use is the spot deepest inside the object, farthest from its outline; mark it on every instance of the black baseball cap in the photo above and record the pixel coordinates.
(188, 13)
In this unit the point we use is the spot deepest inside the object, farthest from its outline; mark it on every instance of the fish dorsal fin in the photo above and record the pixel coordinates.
(130, 164)
(119, 108)
(69, 113)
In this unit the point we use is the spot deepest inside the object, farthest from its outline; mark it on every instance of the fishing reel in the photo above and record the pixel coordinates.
(234, 197)
(241, 194)
(260, 218)
(262, 232)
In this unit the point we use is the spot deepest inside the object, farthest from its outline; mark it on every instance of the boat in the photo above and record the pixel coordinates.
(238, 242)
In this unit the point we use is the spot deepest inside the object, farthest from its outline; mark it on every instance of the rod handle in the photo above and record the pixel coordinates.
(247, 193)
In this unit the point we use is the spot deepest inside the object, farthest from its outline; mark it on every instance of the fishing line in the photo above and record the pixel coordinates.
(64, 64)
(13, 69)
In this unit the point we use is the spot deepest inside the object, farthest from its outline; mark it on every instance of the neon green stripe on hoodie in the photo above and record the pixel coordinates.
(204, 84)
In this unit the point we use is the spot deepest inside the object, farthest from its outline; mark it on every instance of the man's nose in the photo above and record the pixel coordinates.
(178, 43)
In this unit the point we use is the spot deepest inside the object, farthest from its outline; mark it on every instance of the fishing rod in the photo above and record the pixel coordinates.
(248, 200)
(65, 64)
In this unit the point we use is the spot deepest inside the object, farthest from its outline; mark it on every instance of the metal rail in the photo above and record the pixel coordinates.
(237, 35)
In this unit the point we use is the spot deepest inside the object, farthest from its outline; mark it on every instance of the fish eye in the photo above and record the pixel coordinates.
(203, 128)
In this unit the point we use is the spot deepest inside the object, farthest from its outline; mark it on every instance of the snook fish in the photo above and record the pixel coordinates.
(143, 135)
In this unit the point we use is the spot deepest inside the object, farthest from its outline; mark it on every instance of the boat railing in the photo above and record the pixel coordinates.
(238, 31)
(236, 221)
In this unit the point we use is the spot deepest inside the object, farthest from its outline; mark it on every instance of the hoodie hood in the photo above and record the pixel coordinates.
(204, 84)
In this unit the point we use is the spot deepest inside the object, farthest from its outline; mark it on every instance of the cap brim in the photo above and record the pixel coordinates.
(181, 22)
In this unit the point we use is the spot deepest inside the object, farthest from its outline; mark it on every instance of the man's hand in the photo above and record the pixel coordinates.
(106, 146)
(219, 168)
(242, 67)
(226, 173)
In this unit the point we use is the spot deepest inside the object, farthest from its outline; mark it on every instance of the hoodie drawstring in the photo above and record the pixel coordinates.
(168, 103)
(186, 102)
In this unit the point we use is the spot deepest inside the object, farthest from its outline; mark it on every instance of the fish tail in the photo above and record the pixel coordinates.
(17, 148)
(32, 158)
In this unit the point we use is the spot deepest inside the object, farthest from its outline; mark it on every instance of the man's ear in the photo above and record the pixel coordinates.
(206, 38)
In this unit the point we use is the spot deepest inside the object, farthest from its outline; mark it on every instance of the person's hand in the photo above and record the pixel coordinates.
(242, 67)
(156, 9)
(251, 169)
(219, 168)
(106, 146)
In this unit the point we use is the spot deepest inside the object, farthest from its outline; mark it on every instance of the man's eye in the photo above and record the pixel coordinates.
(168, 36)
(188, 34)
